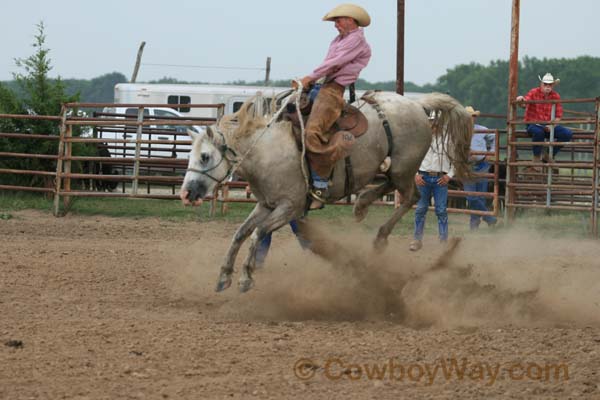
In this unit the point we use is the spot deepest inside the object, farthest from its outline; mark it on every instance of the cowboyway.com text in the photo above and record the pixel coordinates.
(449, 369)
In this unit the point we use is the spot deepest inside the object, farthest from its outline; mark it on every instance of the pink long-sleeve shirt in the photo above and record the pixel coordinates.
(346, 57)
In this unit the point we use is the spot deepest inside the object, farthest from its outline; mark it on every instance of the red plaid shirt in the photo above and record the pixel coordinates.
(541, 112)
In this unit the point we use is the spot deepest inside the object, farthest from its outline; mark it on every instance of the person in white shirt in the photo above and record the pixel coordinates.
(432, 181)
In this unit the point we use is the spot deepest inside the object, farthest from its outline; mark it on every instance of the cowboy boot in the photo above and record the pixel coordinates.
(319, 192)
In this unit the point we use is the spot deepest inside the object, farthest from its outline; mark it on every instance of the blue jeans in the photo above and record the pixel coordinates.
(263, 247)
(478, 202)
(318, 182)
(440, 198)
(538, 134)
(312, 95)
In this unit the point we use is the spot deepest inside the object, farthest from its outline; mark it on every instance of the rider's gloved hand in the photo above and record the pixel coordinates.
(306, 81)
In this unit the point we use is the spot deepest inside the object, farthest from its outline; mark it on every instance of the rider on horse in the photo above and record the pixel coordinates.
(348, 54)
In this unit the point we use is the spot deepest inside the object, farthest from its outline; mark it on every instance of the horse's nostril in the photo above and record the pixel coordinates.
(204, 157)
(197, 190)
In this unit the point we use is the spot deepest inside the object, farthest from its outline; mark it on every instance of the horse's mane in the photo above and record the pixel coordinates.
(243, 122)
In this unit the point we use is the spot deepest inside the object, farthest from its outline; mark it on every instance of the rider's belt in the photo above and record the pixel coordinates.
(432, 173)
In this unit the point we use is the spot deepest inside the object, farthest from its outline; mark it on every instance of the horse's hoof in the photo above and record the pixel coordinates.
(360, 213)
(380, 244)
(245, 285)
(223, 284)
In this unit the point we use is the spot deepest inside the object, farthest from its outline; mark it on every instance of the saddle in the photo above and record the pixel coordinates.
(351, 120)
(351, 124)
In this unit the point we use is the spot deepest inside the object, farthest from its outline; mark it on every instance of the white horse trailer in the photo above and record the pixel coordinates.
(232, 96)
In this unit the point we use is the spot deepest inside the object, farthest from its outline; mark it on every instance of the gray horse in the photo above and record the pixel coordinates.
(268, 157)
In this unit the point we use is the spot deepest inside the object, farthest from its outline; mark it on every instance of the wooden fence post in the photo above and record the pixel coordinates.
(68, 153)
(59, 161)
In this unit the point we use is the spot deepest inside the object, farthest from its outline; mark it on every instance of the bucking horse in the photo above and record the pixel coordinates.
(264, 151)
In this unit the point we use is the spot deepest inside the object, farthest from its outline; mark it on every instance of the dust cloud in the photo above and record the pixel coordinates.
(509, 277)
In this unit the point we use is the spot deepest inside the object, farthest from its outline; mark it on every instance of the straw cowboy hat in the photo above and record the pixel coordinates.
(349, 10)
(472, 111)
(548, 78)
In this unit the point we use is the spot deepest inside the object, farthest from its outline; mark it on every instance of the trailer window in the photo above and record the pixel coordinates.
(173, 99)
(237, 105)
(266, 105)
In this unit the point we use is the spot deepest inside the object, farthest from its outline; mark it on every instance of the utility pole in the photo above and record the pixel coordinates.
(268, 71)
(137, 62)
(400, 49)
(513, 81)
(513, 77)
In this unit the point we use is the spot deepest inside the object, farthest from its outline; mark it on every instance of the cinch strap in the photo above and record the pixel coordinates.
(384, 122)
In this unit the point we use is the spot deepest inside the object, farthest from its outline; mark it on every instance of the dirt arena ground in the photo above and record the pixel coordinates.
(103, 308)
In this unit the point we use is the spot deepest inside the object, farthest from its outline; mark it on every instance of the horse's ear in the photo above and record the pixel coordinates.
(247, 108)
(192, 133)
(252, 110)
(210, 133)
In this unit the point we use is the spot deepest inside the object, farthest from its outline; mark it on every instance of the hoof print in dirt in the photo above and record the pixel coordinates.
(17, 344)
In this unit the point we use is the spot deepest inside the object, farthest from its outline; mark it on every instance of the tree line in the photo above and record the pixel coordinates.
(483, 86)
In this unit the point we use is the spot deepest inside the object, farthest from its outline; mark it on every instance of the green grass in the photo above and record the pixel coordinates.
(166, 209)
(119, 207)
(555, 223)
(551, 224)
(23, 201)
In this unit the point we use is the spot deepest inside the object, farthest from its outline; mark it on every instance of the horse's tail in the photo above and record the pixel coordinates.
(452, 119)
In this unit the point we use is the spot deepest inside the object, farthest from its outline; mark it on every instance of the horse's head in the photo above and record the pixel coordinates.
(208, 165)
(211, 159)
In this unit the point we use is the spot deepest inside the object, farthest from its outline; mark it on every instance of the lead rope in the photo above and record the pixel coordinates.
(273, 119)
(302, 138)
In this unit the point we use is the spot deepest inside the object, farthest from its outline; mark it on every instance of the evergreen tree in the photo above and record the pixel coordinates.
(40, 95)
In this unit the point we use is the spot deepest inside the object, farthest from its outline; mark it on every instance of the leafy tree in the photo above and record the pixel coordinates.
(361, 84)
(97, 90)
(483, 86)
(9, 104)
(168, 79)
(102, 89)
(486, 87)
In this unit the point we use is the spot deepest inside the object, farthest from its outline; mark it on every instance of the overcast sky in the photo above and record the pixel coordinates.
(90, 38)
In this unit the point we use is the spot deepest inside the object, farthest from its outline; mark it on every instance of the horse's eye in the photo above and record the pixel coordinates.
(204, 157)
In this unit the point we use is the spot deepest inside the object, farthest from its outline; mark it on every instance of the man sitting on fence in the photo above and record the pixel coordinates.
(541, 114)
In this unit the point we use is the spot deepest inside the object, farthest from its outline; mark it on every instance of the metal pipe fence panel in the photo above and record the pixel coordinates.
(567, 181)
(151, 151)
